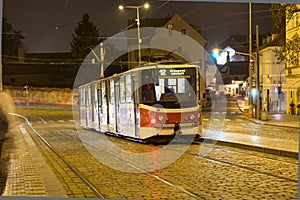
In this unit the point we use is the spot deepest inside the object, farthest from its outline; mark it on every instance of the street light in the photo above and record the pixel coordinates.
(217, 50)
(146, 6)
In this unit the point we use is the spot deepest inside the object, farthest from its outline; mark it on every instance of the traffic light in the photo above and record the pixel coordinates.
(279, 90)
(252, 65)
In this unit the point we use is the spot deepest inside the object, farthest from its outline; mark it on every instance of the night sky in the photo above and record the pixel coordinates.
(48, 25)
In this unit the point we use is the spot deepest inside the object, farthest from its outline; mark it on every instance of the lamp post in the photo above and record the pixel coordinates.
(146, 6)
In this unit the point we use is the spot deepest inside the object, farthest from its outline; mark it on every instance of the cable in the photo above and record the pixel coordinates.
(59, 25)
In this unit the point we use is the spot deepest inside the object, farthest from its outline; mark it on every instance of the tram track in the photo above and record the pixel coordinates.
(38, 137)
(152, 175)
(244, 166)
(241, 166)
(172, 183)
(269, 157)
(98, 193)
(232, 164)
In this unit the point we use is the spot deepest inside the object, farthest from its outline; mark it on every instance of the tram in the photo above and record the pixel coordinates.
(145, 103)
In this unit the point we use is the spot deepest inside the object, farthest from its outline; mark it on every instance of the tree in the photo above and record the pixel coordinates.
(281, 14)
(86, 36)
(12, 39)
(293, 50)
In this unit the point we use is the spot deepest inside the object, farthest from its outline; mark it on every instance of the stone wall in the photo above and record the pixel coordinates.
(24, 94)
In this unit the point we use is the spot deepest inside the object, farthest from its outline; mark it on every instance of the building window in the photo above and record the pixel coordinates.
(183, 31)
(170, 27)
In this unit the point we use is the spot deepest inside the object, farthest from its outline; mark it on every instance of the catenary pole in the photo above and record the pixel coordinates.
(257, 75)
(250, 53)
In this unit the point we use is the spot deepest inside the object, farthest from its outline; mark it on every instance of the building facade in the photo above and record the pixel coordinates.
(293, 63)
(272, 77)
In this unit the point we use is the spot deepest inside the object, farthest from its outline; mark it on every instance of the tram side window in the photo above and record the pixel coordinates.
(148, 86)
(122, 89)
(148, 92)
(128, 89)
(82, 94)
(89, 97)
(112, 91)
(103, 92)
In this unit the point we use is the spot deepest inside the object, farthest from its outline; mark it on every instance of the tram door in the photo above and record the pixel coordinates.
(82, 106)
(117, 105)
(136, 106)
(112, 107)
(88, 101)
(95, 122)
(125, 111)
(103, 108)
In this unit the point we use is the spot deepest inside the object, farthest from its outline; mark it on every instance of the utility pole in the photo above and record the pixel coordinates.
(257, 75)
(102, 52)
(250, 53)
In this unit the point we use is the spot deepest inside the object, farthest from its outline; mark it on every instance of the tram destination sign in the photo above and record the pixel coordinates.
(175, 72)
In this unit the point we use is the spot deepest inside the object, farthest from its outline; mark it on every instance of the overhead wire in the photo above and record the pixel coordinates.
(59, 23)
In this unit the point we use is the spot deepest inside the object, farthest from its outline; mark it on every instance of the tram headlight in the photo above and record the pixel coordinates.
(192, 117)
(160, 118)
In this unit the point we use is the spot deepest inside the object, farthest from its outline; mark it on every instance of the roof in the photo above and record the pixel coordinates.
(240, 42)
(156, 22)
(237, 42)
(278, 40)
(236, 68)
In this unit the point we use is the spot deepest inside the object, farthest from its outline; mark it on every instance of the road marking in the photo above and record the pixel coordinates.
(61, 121)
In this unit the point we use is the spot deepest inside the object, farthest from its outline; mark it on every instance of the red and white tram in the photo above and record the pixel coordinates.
(144, 103)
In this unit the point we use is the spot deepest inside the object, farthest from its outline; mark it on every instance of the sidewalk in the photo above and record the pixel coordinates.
(279, 119)
(284, 147)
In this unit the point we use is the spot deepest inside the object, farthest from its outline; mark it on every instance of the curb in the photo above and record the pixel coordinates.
(277, 152)
(268, 123)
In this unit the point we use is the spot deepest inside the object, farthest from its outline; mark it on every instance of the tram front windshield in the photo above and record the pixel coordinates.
(170, 88)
